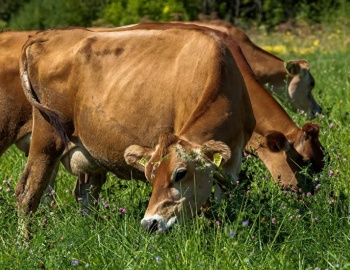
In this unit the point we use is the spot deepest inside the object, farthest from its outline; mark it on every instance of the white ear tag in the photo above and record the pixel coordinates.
(217, 159)
(143, 161)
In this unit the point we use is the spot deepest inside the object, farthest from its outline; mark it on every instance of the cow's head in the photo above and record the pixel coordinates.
(286, 156)
(181, 174)
(300, 87)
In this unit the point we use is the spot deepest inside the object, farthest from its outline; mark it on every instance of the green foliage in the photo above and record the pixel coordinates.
(122, 12)
(43, 14)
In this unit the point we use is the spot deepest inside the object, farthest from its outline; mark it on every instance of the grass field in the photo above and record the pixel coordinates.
(257, 227)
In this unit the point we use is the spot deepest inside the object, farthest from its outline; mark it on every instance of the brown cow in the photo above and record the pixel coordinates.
(95, 94)
(283, 147)
(274, 71)
(15, 110)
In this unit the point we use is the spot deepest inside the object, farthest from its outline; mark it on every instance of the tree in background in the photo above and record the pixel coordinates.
(43, 14)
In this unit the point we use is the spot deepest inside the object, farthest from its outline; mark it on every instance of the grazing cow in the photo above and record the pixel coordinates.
(274, 71)
(283, 147)
(100, 97)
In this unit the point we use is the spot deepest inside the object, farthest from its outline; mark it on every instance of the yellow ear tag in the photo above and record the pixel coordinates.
(217, 159)
(143, 161)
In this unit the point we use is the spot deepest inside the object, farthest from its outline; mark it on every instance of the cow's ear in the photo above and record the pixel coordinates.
(276, 142)
(216, 151)
(138, 156)
(292, 67)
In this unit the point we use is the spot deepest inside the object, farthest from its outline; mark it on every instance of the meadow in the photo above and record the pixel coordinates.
(257, 227)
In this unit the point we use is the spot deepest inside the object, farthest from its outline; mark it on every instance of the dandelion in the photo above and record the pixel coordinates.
(157, 259)
(122, 210)
(318, 186)
(232, 234)
(75, 262)
(273, 220)
(245, 223)
(331, 173)
(309, 194)
(106, 206)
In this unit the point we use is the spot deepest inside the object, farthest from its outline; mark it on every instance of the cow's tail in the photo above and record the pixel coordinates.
(55, 118)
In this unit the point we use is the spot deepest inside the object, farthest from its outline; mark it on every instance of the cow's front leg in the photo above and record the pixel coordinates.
(44, 154)
(87, 190)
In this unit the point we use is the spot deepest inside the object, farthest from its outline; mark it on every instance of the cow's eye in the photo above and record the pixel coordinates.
(180, 174)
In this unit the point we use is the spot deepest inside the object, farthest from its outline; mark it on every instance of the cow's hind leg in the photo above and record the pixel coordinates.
(87, 190)
(44, 154)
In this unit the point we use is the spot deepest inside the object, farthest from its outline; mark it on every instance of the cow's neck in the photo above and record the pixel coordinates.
(267, 67)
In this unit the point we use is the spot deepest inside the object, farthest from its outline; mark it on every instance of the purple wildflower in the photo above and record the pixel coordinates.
(249, 156)
(75, 262)
(106, 206)
(245, 223)
(331, 173)
(157, 259)
(290, 217)
(87, 265)
(45, 220)
(201, 263)
(331, 125)
(315, 219)
(309, 194)
(0, 188)
(298, 216)
(9, 181)
(273, 220)
(53, 192)
(232, 234)
(217, 223)
(8, 190)
(122, 210)
(318, 186)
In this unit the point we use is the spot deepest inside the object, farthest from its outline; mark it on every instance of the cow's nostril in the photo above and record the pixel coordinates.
(153, 225)
(150, 225)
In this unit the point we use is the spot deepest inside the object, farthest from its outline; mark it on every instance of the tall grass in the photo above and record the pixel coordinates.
(257, 227)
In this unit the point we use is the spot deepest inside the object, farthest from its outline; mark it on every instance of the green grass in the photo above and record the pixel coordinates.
(258, 227)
